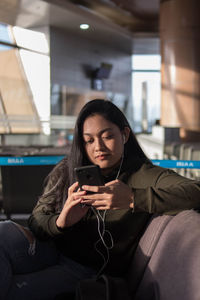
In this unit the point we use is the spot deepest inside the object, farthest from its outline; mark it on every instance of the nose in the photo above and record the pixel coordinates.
(98, 144)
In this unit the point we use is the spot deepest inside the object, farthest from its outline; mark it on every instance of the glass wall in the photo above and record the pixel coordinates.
(146, 86)
(24, 81)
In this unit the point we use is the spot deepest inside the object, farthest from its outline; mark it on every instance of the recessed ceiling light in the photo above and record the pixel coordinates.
(84, 26)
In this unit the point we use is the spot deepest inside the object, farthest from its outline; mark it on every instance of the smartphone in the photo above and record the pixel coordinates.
(89, 175)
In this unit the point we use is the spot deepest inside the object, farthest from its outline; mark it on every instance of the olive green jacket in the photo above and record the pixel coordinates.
(156, 191)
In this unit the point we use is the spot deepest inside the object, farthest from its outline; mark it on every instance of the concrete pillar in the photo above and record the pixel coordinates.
(180, 71)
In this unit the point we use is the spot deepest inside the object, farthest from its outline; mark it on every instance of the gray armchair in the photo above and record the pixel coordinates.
(166, 265)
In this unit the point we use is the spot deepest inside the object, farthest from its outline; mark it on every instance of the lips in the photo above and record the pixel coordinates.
(102, 156)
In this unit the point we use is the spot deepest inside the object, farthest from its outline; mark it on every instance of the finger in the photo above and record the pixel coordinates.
(106, 208)
(112, 182)
(75, 202)
(100, 204)
(93, 197)
(92, 188)
(76, 195)
(101, 207)
(87, 202)
(73, 188)
(79, 194)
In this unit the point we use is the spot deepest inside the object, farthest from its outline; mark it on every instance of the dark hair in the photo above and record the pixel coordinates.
(132, 150)
(62, 175)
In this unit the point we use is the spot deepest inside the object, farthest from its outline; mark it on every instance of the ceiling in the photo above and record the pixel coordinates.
(130, 25)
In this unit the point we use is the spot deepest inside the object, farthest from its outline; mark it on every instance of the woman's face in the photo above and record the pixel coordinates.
(103, 142)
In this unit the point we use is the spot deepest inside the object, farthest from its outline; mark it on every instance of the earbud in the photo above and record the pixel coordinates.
(124, 139)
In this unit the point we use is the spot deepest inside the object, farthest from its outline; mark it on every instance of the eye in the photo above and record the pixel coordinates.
(89, 141)
(108, 137)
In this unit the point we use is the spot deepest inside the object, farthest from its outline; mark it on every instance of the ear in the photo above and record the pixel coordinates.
(124, 139)
(126, 133)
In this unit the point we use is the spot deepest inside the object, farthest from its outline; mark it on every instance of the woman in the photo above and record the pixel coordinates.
(80, 234)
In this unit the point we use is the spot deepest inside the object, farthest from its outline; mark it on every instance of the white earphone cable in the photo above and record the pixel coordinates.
(102, 231)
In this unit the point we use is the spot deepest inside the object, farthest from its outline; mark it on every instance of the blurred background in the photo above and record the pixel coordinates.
(56, 55)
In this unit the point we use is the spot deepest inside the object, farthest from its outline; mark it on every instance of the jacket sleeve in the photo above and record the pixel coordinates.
(160, 190)
(42, 221)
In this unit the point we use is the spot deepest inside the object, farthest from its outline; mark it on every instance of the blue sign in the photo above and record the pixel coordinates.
(53, 160)
(177, 164)
(29, 160)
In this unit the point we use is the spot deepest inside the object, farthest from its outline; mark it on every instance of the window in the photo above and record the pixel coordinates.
(24, 81)
(146, 91)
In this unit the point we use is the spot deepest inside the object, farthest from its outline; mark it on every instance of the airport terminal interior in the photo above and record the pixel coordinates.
(55, 55)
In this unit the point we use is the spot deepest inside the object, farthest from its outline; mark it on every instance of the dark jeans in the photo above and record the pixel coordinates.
(34, 270)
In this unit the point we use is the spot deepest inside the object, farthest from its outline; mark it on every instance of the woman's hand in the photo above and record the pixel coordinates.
(72, 211)
(114, 195)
